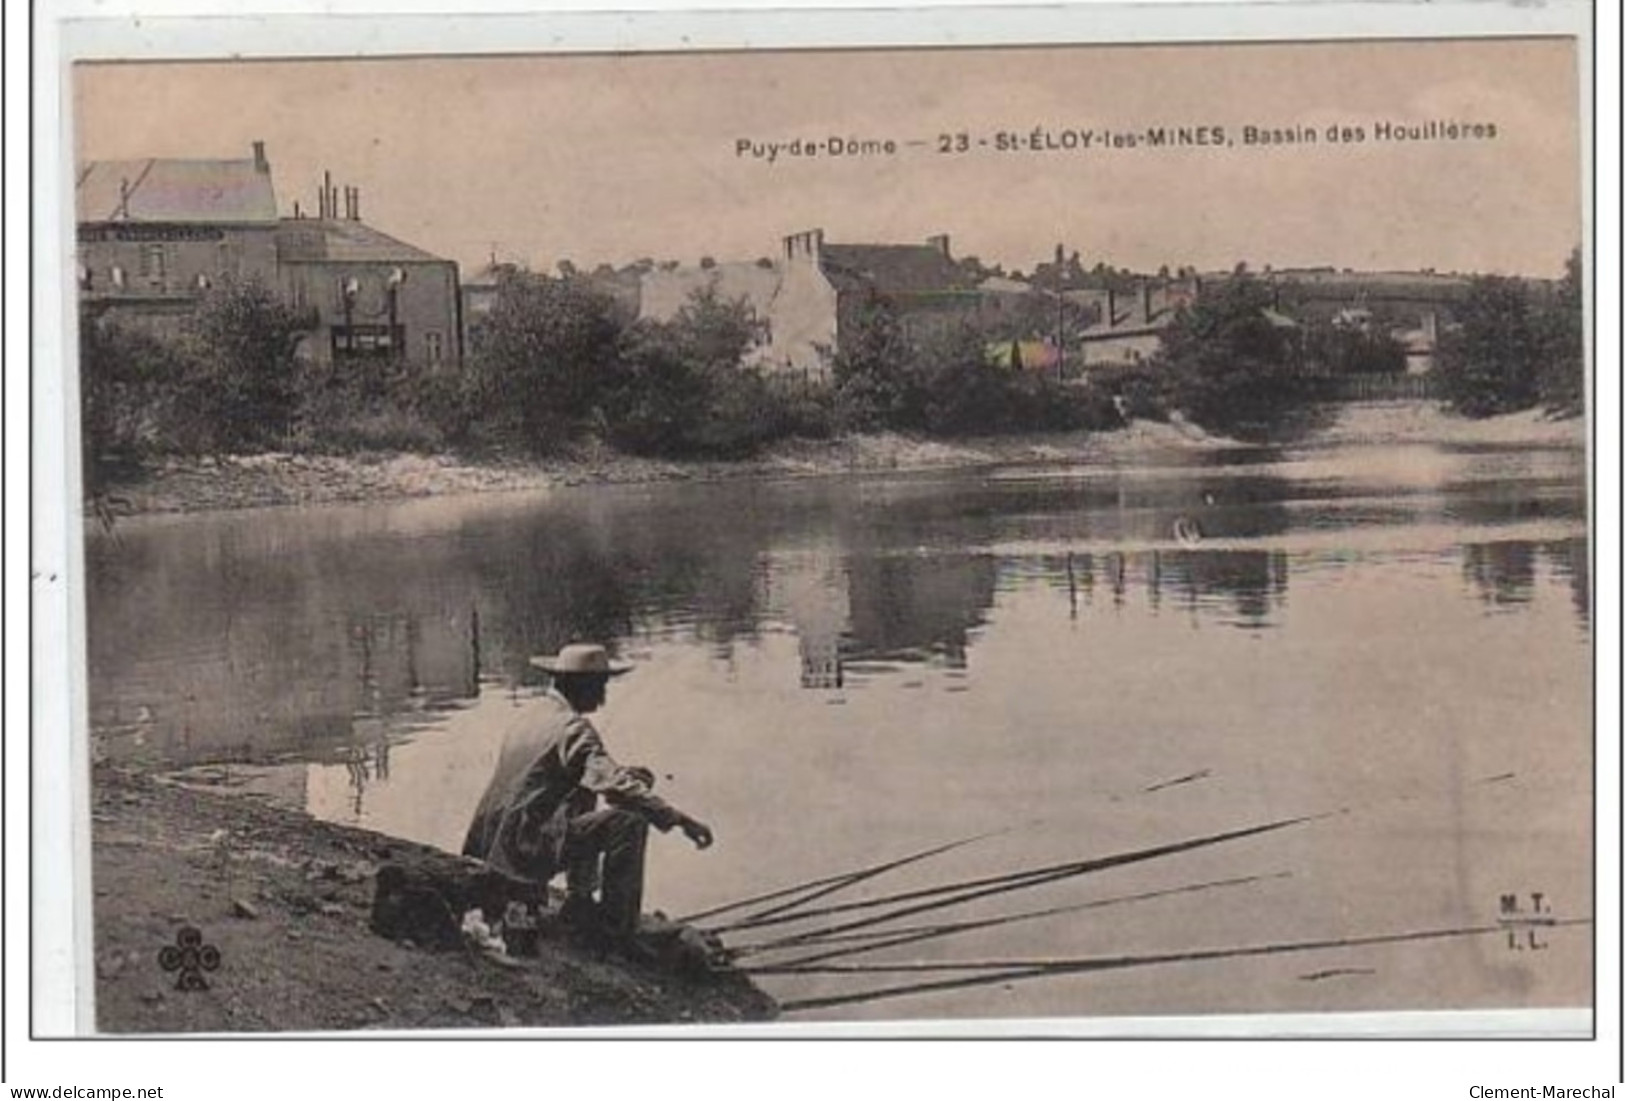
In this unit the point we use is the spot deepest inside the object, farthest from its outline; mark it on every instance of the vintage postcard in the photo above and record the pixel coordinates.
(1018, 535)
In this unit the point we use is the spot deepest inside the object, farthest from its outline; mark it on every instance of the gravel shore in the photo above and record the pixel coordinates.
(281, 479)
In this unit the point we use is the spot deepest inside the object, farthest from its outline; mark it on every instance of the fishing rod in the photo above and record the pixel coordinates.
(833, 883)
(748, 923)
(841, 880)
(969, 890)
(988, 972)
(875, 940)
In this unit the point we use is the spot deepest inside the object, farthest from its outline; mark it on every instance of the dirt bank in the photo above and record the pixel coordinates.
(250, 481)
(285, 900)
(1412, 422)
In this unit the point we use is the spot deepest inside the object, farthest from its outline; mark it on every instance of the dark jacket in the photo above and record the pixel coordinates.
(552, 766)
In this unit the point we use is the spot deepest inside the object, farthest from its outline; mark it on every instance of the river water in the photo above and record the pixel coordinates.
(1078, 661)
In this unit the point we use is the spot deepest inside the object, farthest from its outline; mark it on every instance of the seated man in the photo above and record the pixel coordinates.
(539, 814)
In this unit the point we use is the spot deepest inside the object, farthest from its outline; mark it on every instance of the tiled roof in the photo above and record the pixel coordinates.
(892, 269)
(228, 192)
(342, 240)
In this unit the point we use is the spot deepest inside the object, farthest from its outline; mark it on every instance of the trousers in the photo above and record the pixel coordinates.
(603, 850)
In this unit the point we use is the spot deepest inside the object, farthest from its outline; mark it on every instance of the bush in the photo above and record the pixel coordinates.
(946, 385)
(1340, 350)
(126, 379)
(1227, 366)
(240, 389)
(548, 359)
(1487, 360)
(685, 392)
(1561, 372)
(449, 402)
(345, 415)
(873, 373)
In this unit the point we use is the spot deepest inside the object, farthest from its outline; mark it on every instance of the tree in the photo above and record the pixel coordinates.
(549, 357)
(125, 379)
(1562, 364)
(1229, 367)
(1487, 361)
(873, 387)
(241, 387)
(1354, 350)
(685, 390)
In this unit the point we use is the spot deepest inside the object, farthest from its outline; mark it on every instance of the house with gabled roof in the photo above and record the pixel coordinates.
(154, 233)
(826, 289)
(373, 298)
(814, 293)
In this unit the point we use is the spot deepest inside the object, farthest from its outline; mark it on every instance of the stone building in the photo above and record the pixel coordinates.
(155, 233)
(373, 298)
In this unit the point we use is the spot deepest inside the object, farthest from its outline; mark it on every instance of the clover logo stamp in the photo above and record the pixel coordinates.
(190, 958)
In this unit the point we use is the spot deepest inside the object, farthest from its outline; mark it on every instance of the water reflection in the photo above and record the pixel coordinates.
(1570, 559)
(230, 638)
(1502, 573)
(364, 765)
(917, 608)
(1505, 574)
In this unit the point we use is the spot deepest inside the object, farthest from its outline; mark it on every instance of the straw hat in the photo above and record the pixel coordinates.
(586, 658)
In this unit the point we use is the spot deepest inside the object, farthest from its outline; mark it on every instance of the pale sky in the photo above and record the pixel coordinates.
(610, 158)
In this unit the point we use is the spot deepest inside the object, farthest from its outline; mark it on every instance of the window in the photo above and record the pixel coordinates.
(367, 341)
(432, 346)
(153, 263)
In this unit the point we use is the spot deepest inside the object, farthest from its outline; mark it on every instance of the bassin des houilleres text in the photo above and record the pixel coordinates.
(1105, 139)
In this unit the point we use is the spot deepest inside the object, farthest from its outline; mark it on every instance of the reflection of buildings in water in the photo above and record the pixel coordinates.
(918, 607)
(809, 590)
(905, 608)
(1254, 583)
(1501, 573)
(821, 662)
(1570, 559)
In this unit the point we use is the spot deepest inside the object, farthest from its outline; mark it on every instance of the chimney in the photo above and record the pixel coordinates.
(123, 198)
(809, 244)
(940, 243)
(349, 203)
(296, 213)
(260, 163)
(328, 198)
(1111, 307)
(1145, 300)
(355, 199)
